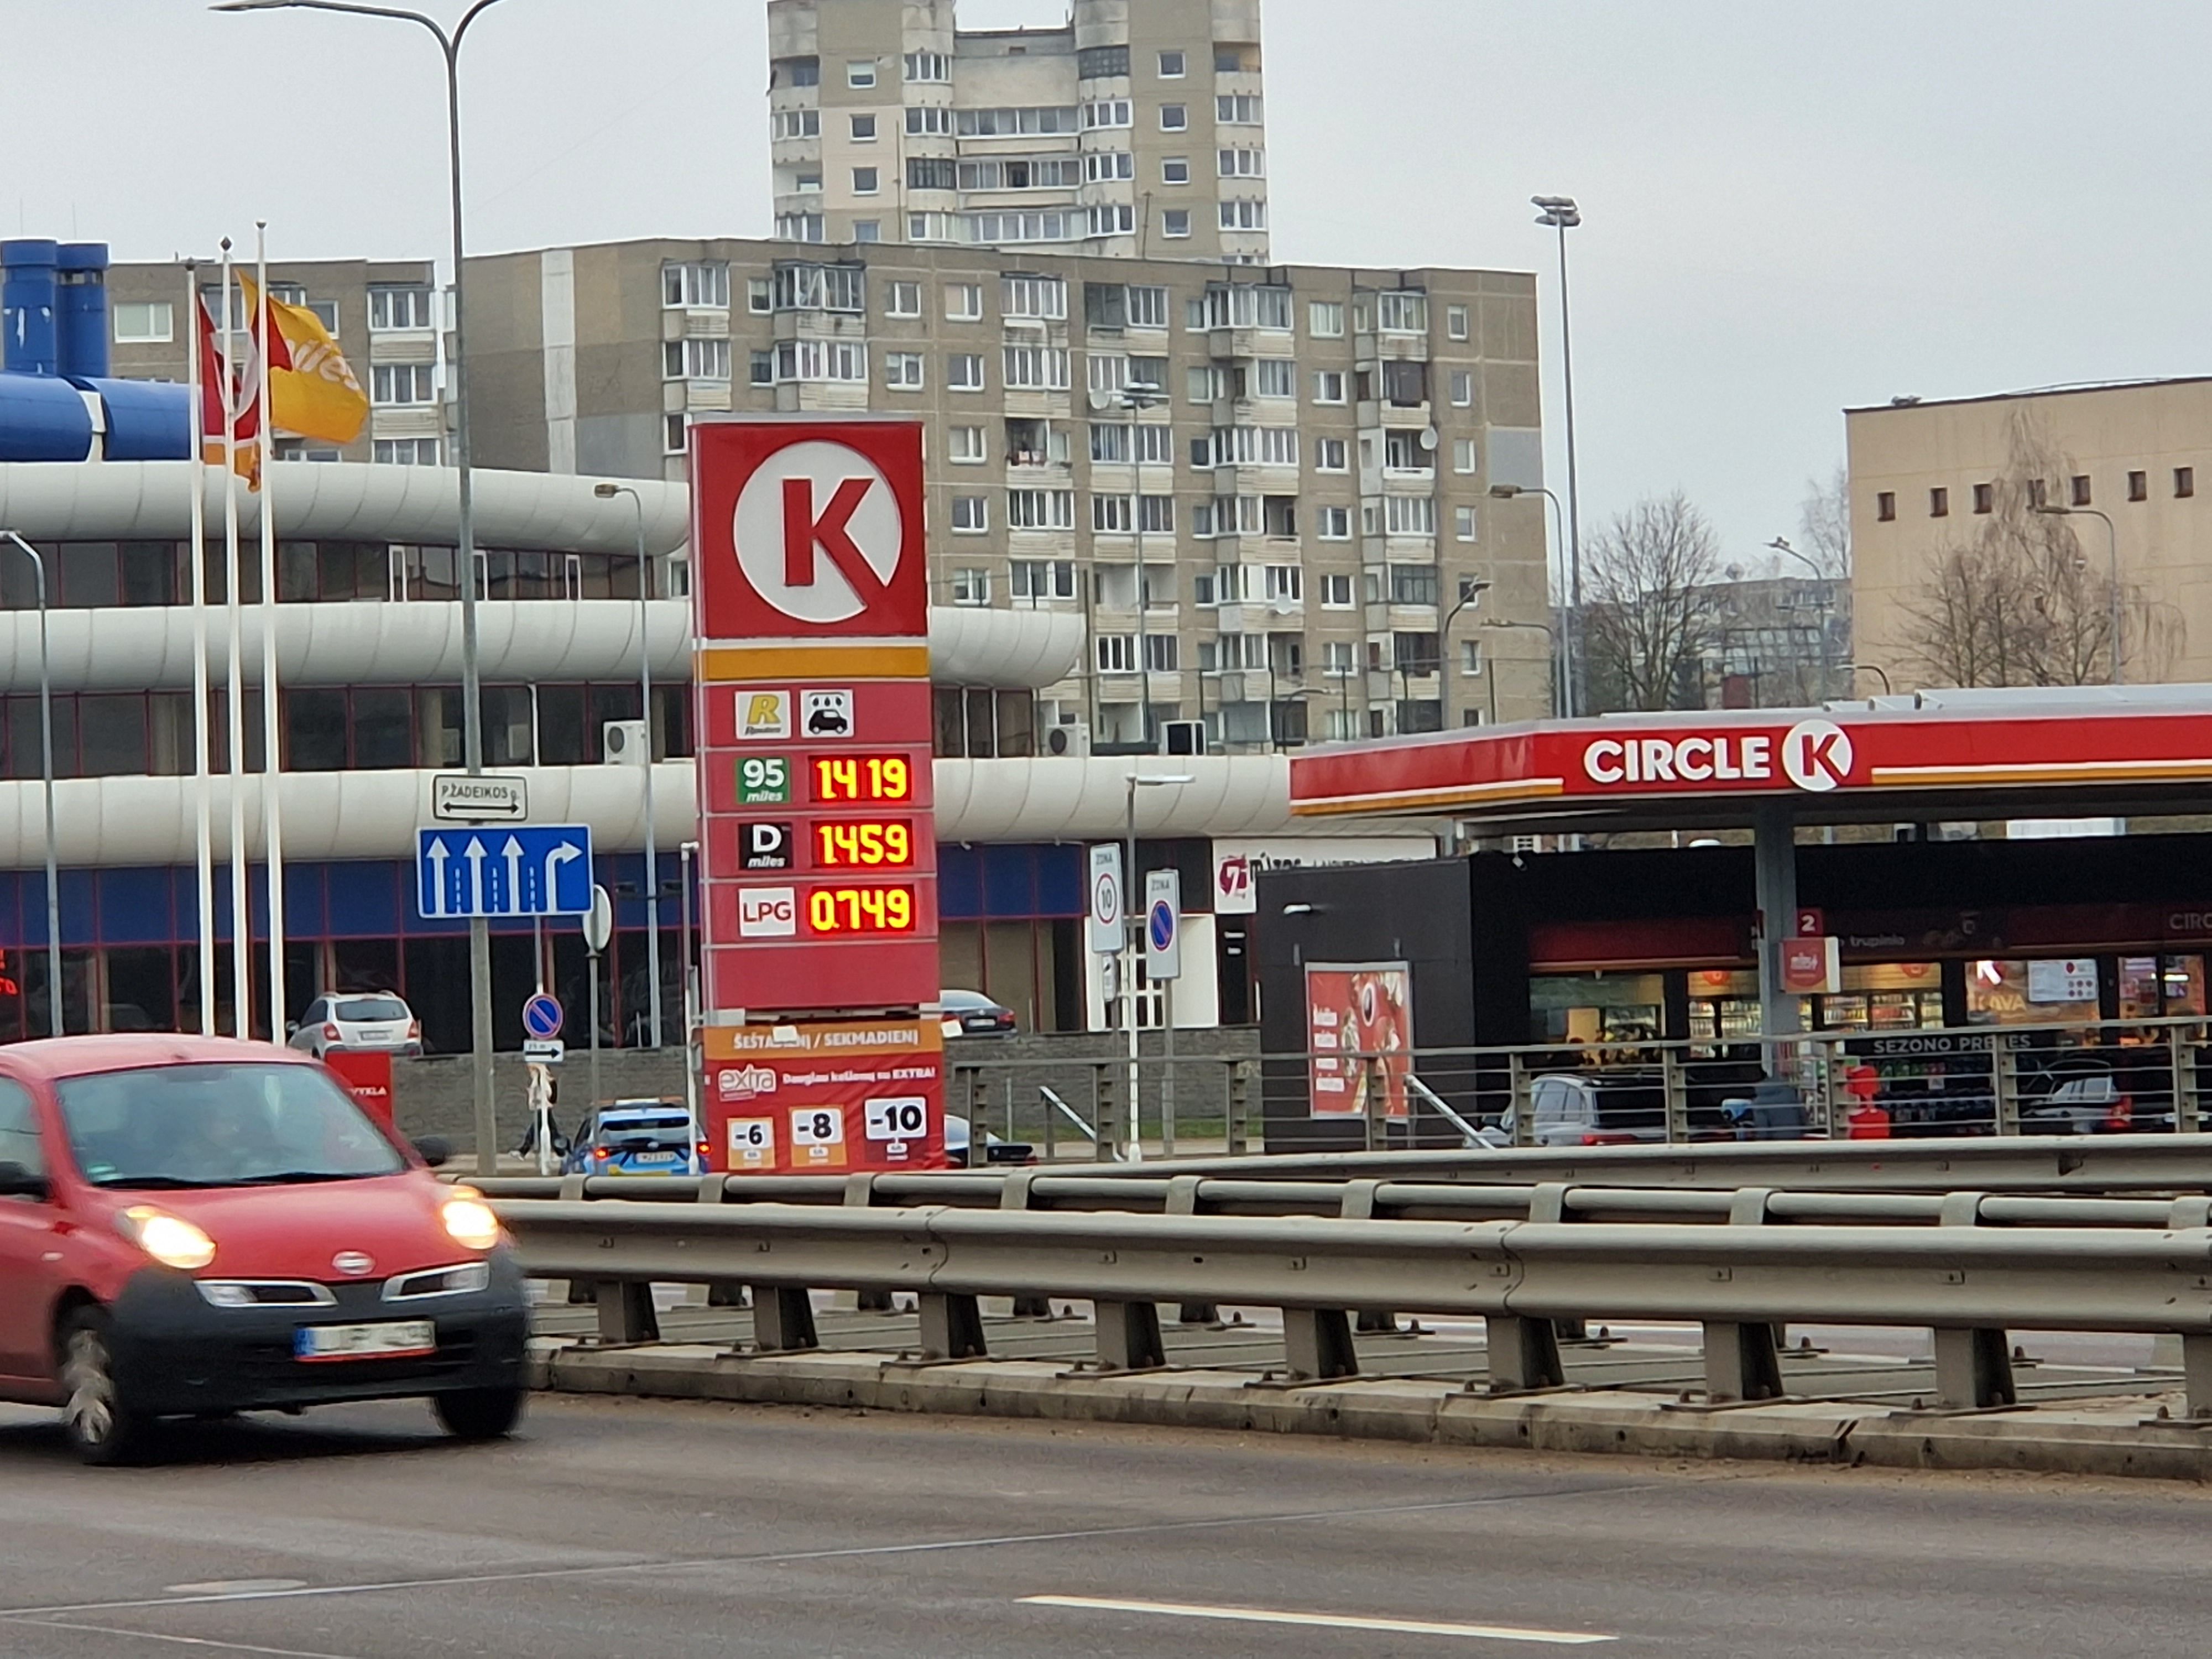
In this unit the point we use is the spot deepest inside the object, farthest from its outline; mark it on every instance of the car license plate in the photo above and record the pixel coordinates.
(654, 1157)
(388, 1340)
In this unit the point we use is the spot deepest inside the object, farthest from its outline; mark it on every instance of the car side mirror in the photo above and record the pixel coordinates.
(291, 1028)
(434, 1151)
(16, 1182)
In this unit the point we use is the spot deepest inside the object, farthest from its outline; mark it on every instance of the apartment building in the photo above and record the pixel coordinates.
(1136, 128)
(1265, 489)
(384, 314)
(1985, 531)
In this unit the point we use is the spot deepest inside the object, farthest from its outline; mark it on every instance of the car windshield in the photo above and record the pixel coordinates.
(369, 1008)
(657, 1134)
(253, 1124)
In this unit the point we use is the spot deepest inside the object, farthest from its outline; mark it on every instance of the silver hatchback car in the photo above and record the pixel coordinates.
(375, 1020)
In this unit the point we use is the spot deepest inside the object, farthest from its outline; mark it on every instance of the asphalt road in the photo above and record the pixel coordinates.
(628, 1527)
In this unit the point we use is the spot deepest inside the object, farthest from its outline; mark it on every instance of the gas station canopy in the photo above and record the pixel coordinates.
(1921, 757)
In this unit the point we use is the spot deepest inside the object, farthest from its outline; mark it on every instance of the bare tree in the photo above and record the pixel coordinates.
(1824, 525)
(1653, 606)
(2018, 602)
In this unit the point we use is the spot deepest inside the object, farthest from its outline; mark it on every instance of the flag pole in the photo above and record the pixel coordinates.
(241, 913)
(202, 760)
(272, 810)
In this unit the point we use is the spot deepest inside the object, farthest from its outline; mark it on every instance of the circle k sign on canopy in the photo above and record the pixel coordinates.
(809, 531)
(1813, 754)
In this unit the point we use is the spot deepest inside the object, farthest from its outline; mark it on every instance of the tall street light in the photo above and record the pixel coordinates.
(1563, 669)
(1132, 907)
(1471, 590)
(2112, 553)
(1782, 545)
(46, 779)
(1559, 213)
(608, 492)
(449, 44)
(1134, 399)
(1551, 655)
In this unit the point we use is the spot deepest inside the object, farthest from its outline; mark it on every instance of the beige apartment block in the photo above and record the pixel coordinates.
(383, 312)
(1136, 128)
(1296, 457)
(1960, 578)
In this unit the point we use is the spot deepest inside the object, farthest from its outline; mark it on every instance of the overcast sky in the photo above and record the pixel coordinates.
(1789, 208)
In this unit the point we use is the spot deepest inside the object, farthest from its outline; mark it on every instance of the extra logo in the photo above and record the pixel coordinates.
(819, 532)
(767, 912)
(743, 1082)
(764, 716)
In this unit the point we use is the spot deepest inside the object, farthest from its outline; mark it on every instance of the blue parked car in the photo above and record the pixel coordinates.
(636, 1137)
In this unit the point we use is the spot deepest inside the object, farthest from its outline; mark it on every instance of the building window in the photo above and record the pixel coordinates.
(1033, 297)
(964, 371)
(860, 73)
(1414, 584)
(928, 66)
(1274, 377)
(148, 322)
(801, 227)
(1241, 109)
(1242, 215)
(971, 587)
(971, 515)
(404, 451)
(1409, 515)
(1984, 497)
(1336, 595)
(1171, 65)
(1042, 579)
(865, 180)
(864, 129)
(1470, 656)
(2078, 489)
(404, 384)
(1110, 514)
(821, 360)
(1117, 653)
(1403, 311)
(1455, 323)
(787, 124)
(697, 284)
(964, 444)
(2184, 481)
(902, 371)
(1462, 388)
(1101, 62)
(1329, 455)
(1041, 509)
(760, 367)
(1325, 319)
(1105, 112)
(673, 438)
(1328, 386)
(803, 72)
(1174, 117)
(1939, 503)
(1333, 524)
(1174, 170)
(1163, 652)
(963, 301)
(1463, 523)
(902, 300)
(1036, 369)
(391, 308)
(929, 120)
(2138, 486)
(696, 360)
(1241, 163)
(1175, 222)
(1464, 457)
(1336, 658)
(2038, 493)
(1884, 505)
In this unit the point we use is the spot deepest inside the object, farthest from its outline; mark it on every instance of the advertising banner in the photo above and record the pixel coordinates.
(1359, 1034)
(825, 1097)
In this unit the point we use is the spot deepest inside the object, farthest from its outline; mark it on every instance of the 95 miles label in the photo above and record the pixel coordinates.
(765, 781)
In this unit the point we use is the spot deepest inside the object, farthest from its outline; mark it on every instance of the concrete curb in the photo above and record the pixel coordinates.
(2098, 1437)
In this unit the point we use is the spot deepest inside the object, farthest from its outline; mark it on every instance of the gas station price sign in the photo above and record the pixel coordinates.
(841, 780)
(837, 911)
(863, 844)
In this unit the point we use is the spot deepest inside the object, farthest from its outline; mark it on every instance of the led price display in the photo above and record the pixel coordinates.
(844, 911)
(841, 778)
(865, 843)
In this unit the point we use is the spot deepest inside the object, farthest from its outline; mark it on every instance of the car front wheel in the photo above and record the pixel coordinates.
(96, 1415)
(479, 1414)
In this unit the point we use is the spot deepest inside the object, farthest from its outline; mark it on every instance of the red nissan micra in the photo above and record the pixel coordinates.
(193, 1226)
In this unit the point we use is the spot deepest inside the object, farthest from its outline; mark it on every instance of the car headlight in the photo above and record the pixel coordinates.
(470, 1221)
(170, 1240)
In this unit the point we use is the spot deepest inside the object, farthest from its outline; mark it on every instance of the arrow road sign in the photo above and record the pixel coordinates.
(534, 870)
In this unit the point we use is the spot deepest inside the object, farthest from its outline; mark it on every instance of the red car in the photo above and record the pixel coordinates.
(195, 1226)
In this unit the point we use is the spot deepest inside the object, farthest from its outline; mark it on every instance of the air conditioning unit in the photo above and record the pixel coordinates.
(1182, 736)
(1073, 738)
(623, 743)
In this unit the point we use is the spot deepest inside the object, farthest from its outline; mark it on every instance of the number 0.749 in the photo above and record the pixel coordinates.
(860, 911)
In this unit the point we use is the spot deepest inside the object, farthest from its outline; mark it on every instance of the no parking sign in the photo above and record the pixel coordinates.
(1163, 925)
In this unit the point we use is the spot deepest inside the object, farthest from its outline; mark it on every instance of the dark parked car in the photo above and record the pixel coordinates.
(970, 1013)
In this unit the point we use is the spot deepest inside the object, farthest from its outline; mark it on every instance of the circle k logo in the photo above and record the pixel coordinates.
(1816, 755)
(818, 532)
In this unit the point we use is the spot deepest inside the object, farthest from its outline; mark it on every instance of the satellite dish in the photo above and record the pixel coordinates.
(1428, 437)
(1100, 403)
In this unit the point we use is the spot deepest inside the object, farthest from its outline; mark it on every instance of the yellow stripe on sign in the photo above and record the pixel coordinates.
(1416, 800)
(1571, 1639)
(2049, 772)
(809, 662)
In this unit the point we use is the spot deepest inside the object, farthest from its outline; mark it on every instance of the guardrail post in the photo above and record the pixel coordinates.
(720, 1293)
(1240, 1106)
(1524, 1354)
(1129, 1336)
(580, 1291)
(783, 1319)
(1318, 1343)
(951, 1327)
(1743, 1362)
(1547, 1201)
(1671, 1082)
(626, 1314)
(2185, 1082)
(1182, 1199)
(2004, 1078)
(1014, 1195)
(860, 1194)
(1106, 1109)
(1517, 1102)
(1358, 1204)
(1973, 1367)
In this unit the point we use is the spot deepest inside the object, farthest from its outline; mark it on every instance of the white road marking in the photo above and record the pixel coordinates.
(213, 1644)
(1326, 1621)
(216, 1588)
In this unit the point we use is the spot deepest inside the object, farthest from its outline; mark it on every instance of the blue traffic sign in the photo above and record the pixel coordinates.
(535, 870)
(1163, 925)
(541, 1016)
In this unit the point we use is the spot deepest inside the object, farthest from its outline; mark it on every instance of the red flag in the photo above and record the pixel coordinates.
(228, 405)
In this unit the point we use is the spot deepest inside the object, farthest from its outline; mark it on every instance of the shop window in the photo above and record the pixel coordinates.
(1597, 1008)
(2012, 991)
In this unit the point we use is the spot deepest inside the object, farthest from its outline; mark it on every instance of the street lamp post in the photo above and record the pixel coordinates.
(46, 779)
(1551, 654)
(1563, 668)
(1870, 668)
(1133, 909)
(608, 492)
(449, 45)
(1134, 399)
(1781, 544)
(1471, 590)
(1559, 213)
(2112, 555)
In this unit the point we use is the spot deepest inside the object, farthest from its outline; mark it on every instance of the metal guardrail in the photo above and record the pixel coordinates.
(1967, 1283)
